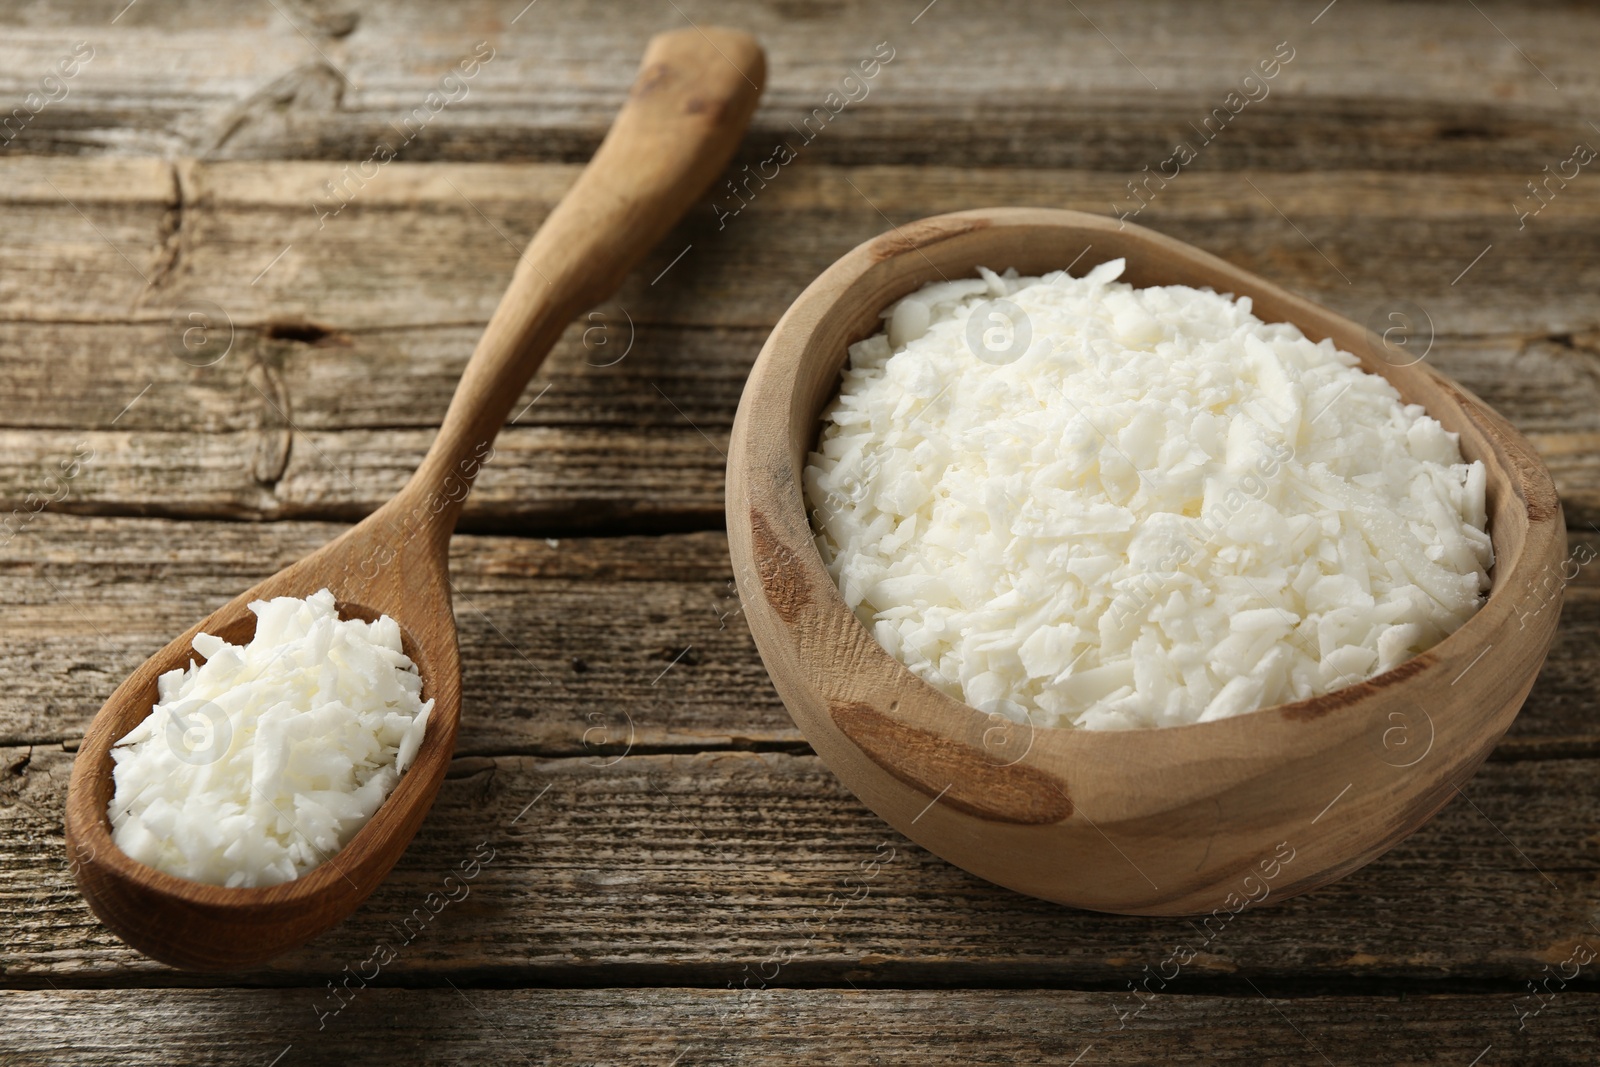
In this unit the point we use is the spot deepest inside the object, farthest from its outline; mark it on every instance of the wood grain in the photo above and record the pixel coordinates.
(557, 638)
(650, 869)
(585, 636)
(118, 240)
(1397, 140)
(788, 1026)
(345, 350)
(1414, 86)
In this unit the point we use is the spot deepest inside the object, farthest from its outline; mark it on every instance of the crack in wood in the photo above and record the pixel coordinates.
(275, 423)
(175, 232)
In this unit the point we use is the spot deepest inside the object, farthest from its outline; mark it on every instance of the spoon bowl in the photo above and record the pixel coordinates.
(684, 117)
(206, 927)
(1179, 820)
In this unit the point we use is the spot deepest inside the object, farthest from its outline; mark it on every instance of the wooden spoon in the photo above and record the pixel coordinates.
(1181, 820)
(693, 98)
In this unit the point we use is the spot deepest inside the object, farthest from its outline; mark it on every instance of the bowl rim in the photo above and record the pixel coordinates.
(756, 450)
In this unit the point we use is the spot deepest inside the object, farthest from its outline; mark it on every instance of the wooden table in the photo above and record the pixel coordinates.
(674, 878)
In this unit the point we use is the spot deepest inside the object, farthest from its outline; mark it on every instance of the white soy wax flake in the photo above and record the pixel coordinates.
(1158, 510)
(257, 765)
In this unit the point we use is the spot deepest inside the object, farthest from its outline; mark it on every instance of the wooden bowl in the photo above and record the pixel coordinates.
(1172, 821)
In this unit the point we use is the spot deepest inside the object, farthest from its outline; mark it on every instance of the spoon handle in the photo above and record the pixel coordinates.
(683, 118)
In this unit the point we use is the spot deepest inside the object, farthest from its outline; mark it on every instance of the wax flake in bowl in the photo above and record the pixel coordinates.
(1085, 504)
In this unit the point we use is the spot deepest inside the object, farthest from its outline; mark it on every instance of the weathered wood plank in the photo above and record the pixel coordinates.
(284, 429)
(541, 480)
(708, 868)
(798, 1026)
(434, 244)
(326, 421)
(737, 865)
(1394, 86)
(626, 428)
(568, 646)
(81, 376)
(76, 376)
(557, 640)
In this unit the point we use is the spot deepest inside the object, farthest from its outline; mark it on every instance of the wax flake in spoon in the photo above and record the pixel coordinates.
(257, 765)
